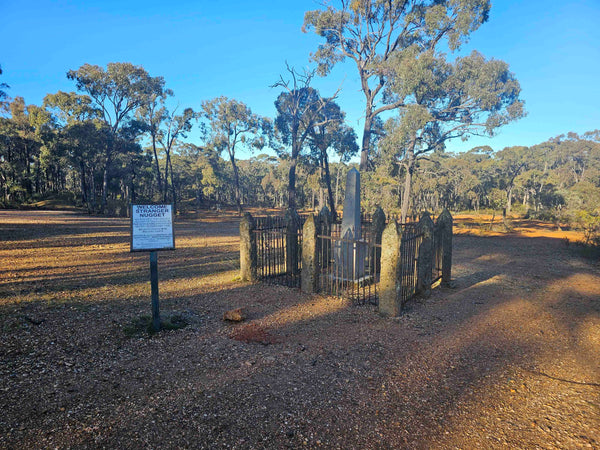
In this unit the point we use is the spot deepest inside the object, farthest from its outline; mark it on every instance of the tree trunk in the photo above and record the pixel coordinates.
(409, 164)
(292, 172)
(321, 182)
(92, 196)
(103, 203)
(173, 192)
(159, 179)
(236, 179)
(509, 199)
(366, 142)
(292, 185)
(329, 190)
(337, 184)
(165, 193)
(82, 185)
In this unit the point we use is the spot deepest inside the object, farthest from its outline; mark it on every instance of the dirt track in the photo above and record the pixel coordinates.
(507, 357)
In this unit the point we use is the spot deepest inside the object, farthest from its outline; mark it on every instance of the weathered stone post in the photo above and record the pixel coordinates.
(292, 224)
(389, 283)
(377, 227)
(425, 258)
(324, 229)
(248, 260)
(310, 261)
(445, 224)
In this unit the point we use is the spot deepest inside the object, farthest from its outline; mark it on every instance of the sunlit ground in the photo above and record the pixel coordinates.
(506, 358)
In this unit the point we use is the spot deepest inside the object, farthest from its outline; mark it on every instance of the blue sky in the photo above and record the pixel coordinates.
(205, 49)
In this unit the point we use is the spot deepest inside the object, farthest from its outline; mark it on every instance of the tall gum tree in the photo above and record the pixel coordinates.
(299, 112)
(153, 114)
(331, 133)
(232, 126)
(175, 127)
(117, 92)
(443, 101)
(370, 32)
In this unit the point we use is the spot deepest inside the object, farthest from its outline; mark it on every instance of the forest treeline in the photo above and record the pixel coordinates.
(117, 139)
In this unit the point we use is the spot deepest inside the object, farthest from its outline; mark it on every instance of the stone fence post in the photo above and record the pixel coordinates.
(445, 224)
(310, 260)
(389, 283)
(248, 260)
(425, 256)
(292, 223)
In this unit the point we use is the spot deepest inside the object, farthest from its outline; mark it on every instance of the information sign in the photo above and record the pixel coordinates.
(152, 228)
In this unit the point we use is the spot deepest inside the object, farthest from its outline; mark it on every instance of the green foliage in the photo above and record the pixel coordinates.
(232, 126)
(392, 43)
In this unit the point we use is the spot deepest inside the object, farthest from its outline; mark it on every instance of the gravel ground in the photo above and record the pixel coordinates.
(507, 357)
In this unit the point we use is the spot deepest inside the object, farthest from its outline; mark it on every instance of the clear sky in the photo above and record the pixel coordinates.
(206, 49)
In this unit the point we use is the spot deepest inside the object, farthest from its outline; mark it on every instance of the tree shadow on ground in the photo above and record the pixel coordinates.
(442, 375)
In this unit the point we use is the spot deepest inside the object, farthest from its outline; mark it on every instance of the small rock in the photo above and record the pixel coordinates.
(235, 315)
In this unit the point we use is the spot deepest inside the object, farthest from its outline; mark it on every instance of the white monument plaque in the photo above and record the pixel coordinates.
(152, 228)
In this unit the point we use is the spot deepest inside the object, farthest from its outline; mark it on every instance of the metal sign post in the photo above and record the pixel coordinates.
(154, 288)
(152, 230)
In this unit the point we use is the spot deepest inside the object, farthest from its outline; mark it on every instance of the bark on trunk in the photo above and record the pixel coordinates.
(509, 199)
(236, 179)
(329, 190)
(292, 185)
(366, 143)
(409, 165)
(104, 202)
(406, 192)
(82, 184)
(159, 178)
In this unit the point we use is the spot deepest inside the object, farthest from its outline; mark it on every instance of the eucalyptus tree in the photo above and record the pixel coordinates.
(117, 93)
(25, 144)
(299, 112)
(82, 135)
(443, 101)
(153, 114)
(233, 126)
(331, 133)
(371, 32)
(175, 127)
(510, 163)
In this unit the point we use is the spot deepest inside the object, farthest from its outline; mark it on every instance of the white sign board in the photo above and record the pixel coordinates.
(151, 228)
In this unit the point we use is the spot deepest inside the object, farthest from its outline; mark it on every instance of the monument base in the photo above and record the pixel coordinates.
(362, 281)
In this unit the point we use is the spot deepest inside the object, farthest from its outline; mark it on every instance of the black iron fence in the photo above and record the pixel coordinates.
(436, 266)
(412, 237)
(279, 249)
(349, 268)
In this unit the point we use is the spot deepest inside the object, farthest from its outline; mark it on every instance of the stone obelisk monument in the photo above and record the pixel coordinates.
(350, 257)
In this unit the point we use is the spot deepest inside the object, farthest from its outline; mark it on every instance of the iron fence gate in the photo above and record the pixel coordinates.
(412, 237)
(349, 268)
(278, 250)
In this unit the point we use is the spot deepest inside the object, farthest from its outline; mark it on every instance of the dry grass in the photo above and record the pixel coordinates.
(508, 357)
